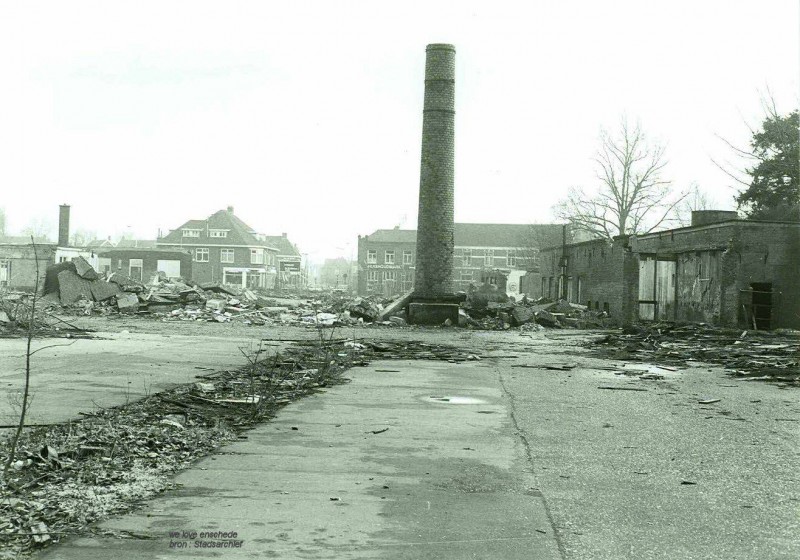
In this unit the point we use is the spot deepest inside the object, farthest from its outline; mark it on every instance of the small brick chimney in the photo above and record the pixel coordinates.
(230, 209)
(63, 225)
(704, 217)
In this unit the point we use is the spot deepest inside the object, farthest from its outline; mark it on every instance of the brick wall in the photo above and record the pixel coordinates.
(595, 273)
(435, 237)
(21, 265)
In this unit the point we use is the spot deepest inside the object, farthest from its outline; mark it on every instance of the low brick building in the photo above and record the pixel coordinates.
(143, 263)
(18, 263)
(735, 273)
(387, 257)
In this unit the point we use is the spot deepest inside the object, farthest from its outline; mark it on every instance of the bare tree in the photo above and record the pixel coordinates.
(632, 198)
(696, 199)
(38, 228)
(31, 318)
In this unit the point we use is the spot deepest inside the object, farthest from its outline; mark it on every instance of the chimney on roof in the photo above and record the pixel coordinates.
(283, 235)
(63, 225)
(230, 209)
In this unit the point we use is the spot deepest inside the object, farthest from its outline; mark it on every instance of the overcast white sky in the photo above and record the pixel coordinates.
(307, 116)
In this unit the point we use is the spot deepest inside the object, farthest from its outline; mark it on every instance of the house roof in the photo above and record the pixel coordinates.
(123, 251)
(239, 233)
(96, 243)
(482, 235)
(506, 235)
(282, 244)
(136, 243)
(393, 236)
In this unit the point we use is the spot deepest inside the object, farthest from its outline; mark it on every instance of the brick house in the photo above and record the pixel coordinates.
(387, 257)
(288, 261)
(225, 250)
(720, 270)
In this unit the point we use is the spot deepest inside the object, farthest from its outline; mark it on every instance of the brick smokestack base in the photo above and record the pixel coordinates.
(434, 269)
(63, 225)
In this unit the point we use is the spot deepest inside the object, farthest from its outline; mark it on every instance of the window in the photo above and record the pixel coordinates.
(544, 287)
(233, 278)
(191, 232)
(372, 256)
(372, 275)
(389, 257)
(201, 255)
(5, 272)
(389, 275)
(406, 257)
(135, 269)
(511, 258)
(218, 233)
(488, 260)
(226, 255)
(466, 276)
(256, 256)
(467, 257)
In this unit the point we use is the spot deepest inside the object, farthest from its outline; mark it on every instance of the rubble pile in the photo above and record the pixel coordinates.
(17, 315)
(499, 314)
(763, 355)
(76, 286)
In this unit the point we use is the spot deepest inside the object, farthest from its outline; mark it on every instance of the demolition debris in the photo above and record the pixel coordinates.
(755, 355)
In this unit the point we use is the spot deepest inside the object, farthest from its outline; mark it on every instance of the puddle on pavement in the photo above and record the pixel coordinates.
(456, 400)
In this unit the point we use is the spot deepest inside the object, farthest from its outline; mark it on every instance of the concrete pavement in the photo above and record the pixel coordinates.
(71, 376)
(417, 462)
(464, 477)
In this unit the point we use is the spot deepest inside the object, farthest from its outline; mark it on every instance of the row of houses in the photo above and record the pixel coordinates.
(221, 248)
(483, 253)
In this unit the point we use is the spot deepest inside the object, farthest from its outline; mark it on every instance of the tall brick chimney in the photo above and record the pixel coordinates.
(63, 225)
(433, 297)
(434, 270)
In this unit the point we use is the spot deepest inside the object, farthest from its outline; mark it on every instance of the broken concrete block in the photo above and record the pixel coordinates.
(84, 269)
(216, 304)
(72, 287)
(102, 291)
(547, 319)
(522, 315)
(127, 303)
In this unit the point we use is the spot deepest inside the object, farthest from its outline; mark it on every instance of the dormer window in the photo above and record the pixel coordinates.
(187, 232)
(218, 233)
